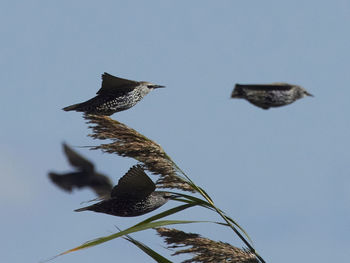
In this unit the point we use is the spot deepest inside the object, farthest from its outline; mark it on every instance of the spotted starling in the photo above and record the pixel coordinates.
(116, 94)
(133, 196)
(86, 176)
(269, 95)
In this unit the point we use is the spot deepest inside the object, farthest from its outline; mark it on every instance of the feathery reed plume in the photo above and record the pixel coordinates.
(127, 142)
(205, 250)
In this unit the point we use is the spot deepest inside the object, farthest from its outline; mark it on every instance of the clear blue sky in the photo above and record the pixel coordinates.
(283, 174)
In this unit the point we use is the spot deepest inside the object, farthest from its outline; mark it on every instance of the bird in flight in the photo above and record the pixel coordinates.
(85, 176)
(134, 195)
(266, 96)
(116, 94)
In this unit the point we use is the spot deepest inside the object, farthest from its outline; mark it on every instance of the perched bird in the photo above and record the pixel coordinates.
(269, 95)
(86, 176)
(116, 94)
(133, 196)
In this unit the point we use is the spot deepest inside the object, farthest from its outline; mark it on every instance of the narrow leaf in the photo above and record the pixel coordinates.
(133, 229)
(166, 213)
(153, 254)
(206, 204)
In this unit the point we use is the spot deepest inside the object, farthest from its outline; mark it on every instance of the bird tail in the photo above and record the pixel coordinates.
(72, 107)
(237, 92)
(82, 209)
(54, 177)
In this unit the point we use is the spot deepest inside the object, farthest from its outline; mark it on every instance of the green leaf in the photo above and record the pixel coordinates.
(195, 200)
(221, 213)
(153, 254)
(205, 193)
(200, 202)
(166, 213)
(240, 228)
(132, 229)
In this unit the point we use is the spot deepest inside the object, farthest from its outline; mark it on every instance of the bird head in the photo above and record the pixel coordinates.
(166, 195)
(308, 94)
(169, 195)
(301, 92)
(304, 93)
(151, 86)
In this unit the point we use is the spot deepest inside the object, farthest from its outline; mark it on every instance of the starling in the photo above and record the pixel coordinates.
(86, 176)
(269, 95)
(116, 94)
(133, 196)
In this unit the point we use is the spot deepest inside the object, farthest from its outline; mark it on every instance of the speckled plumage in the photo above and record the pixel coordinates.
(133, 196)
(128, 207)
(269, 95)
(116, 94)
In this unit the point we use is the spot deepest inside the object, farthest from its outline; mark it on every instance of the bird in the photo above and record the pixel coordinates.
(134, 195)
(266, 96)
(116, 94)
(85, 176)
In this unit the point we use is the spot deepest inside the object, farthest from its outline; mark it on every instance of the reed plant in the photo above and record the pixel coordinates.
(127, 142)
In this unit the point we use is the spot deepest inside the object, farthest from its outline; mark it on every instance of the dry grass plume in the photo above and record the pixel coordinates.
(127, 142)
(204, 249)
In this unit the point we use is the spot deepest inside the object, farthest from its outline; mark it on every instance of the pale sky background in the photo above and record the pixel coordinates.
(283, 174)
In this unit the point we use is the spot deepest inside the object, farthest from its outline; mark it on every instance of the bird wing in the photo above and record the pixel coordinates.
(272, 86)
(101, 184)
(69, 181)
(111, 84)
(77, 160)
(135, 183)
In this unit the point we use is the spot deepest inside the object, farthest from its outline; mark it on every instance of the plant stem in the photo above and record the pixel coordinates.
(251, 248)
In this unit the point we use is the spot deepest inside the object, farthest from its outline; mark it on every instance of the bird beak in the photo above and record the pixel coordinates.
(172, 195)
(309, 94)
(157, 86)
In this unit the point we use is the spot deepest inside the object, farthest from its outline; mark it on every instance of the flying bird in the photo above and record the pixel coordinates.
(269, 95)
(134, 195)
(85, 176)
(116, 94)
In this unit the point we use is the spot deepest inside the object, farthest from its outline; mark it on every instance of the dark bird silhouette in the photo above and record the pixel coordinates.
(86, 176)
(116, 94)
(269, 95)
(133, 196)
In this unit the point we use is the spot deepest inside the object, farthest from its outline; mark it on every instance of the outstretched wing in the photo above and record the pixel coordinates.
(77, 160)
(112, 84)
(134, 184)
(100, 184)
(66, 181)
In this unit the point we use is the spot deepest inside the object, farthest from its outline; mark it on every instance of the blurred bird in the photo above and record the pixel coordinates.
(269, 95)
(116, 94)
(86, 176)
(133, 196)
